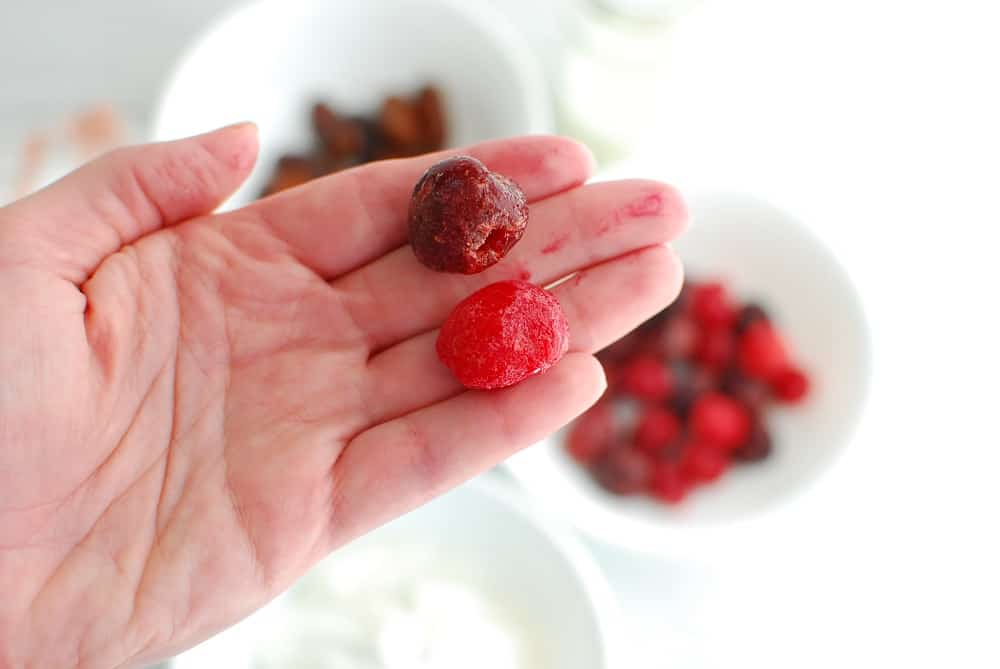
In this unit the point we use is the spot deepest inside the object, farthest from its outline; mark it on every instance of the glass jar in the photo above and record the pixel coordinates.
(609, 94)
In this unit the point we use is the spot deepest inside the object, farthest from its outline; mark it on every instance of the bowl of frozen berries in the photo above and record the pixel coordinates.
(730, 401)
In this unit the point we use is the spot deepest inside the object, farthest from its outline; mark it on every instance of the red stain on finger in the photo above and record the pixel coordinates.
(555, 244)
(651, 205)
(520, 272)
(648, 205)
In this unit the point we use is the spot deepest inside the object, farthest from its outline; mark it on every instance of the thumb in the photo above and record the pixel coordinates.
(72, 225)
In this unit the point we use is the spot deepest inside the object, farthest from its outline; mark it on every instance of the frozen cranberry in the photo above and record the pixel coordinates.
(756, 448)
(672, 452)
(762, 354)
(667, 483)
(690, 381)
(502, 334)
(721, 420)
(710, 305)
(704, 462)
(750, 392)
(715, 347)
(749, 313)
(790, 385)
(646, 378)
(679, 337)
(703, 380)
(657, 428)
(464, 218)
(622, 471)
(682, 400)
(592, 434)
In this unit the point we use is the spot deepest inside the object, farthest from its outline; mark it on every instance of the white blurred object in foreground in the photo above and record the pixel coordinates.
(390, 607)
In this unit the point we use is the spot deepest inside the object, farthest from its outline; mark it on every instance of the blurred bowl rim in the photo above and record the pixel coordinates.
(527, 72)
(577, 561)
(604, 605)
(708, 538)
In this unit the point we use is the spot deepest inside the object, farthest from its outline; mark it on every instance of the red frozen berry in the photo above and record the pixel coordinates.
(790, 385)
(750, 392)
(711, 306)
(704, 462)
(502, 334)
(622, 471)
(689, 382)
(715, 347)
(720, 420)
(762, 354)
(679, 337)
(667, 483)
(657, 429)
(464, 218)
(750, 313)
(756, 448)
(592, 434)
(645, 377)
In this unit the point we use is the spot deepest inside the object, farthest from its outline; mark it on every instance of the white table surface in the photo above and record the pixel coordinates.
(876, 121)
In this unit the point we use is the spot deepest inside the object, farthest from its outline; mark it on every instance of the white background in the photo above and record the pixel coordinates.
(876, 121)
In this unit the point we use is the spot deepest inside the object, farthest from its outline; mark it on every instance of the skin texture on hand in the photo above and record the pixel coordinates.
(195, 408)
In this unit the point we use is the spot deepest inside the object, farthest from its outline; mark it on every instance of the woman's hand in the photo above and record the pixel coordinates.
(195, 407)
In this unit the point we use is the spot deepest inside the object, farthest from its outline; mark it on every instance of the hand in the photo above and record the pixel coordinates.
(195, 407)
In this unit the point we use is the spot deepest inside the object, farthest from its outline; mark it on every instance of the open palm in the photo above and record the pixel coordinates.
(196, 408)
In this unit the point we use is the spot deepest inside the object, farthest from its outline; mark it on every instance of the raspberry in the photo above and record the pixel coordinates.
(710, 305)
(657, 428)
(502, 334)
(646, 378)
(592, 433)
(704, 462)
(464, 218)
(790, 385)
(720, 420)
(622, 471)
(667, 484)
(762, 354)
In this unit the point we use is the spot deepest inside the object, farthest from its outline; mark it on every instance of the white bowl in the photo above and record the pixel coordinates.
(763, 254)
(535, 571)
(269, 61)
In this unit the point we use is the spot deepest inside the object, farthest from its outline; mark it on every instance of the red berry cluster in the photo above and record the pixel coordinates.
(687, 392)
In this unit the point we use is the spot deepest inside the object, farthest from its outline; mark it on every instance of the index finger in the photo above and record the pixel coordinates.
(348, 219)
